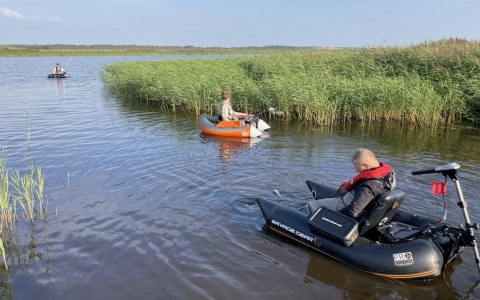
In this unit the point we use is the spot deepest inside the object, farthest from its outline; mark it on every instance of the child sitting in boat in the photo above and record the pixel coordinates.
(226, 111)
(373, 179)
(58, 70)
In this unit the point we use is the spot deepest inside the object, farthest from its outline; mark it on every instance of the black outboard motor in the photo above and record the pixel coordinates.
(451, 171)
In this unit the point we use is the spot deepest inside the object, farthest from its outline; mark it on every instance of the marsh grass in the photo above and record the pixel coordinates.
(124, 50)
(21, 195)
(426, 84)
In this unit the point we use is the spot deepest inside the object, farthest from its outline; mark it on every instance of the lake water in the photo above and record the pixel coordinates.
(141, 206)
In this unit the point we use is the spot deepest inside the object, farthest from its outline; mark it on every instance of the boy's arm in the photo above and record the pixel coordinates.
(363, 196)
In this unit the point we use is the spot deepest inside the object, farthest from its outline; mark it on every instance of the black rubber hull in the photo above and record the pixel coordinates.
(58, 76)
(416, 259)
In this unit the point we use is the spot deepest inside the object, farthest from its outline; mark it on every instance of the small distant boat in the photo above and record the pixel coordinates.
(63, 75)
(253, 127)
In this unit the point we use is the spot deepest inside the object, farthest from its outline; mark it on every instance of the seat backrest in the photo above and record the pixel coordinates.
(381, 210)
(214, 119)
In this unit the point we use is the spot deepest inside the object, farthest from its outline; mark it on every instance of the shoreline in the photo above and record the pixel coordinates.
(133, 50)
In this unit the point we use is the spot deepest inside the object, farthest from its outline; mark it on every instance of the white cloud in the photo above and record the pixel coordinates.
(11, 13)
(16, 15)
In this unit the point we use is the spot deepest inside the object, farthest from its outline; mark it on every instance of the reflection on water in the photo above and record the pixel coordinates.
(154, 208)
(60, 86)
(456, 142)
(27, 250)
(451, 143)
(357, 285)
(231, 147)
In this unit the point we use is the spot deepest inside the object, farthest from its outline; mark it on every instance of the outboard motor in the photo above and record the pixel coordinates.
(451, 171)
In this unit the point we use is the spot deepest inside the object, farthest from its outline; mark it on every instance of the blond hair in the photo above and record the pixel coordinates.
(225, 94)
(366, 157)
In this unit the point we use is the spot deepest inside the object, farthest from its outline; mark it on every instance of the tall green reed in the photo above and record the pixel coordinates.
(19, 191)
(426, 84)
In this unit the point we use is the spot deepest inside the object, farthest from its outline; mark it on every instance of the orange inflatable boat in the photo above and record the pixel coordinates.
(250, 128)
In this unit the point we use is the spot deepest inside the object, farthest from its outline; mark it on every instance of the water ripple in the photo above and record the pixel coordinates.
(142, 205)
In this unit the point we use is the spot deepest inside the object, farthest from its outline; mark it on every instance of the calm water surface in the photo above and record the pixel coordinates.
(141, 206)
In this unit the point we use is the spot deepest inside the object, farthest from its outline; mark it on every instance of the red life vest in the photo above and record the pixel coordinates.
(376, 173)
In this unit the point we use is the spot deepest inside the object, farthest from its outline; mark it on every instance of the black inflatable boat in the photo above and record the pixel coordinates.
(63, 75)
(385, 241)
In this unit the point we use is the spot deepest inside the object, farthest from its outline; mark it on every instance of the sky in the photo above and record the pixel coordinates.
(238, 23)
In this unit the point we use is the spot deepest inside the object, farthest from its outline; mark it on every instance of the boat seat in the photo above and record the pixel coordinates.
(380, 210)
(214, 119)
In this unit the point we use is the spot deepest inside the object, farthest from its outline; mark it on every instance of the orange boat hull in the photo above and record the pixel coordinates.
(207, 127)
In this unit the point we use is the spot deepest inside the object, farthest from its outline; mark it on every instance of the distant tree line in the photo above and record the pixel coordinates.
(144, 47)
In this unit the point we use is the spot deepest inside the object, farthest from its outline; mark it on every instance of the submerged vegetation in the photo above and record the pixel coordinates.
(21, 196)
(426, 84)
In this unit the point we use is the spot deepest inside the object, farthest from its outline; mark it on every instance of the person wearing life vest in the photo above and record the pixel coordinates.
(373, 179)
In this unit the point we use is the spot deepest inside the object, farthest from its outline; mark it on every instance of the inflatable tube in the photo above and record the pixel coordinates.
(208, 126)
(58, 76)
(416, 253)
(417, 259)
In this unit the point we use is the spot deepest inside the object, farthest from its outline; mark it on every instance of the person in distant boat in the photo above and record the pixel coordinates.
(58, 70)
(226, 111)
(373, 179)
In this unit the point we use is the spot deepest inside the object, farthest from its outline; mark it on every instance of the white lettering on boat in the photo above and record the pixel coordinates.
(403, 259)
(293, 231)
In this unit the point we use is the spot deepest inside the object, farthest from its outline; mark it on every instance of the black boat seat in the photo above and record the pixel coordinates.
(380, 210)
(214, 119)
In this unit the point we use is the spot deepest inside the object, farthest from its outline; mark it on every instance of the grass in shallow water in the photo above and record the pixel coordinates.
(426, 84)
(21, 195)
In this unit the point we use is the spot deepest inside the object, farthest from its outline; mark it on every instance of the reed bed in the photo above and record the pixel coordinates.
(21, 195)
(426, 84)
